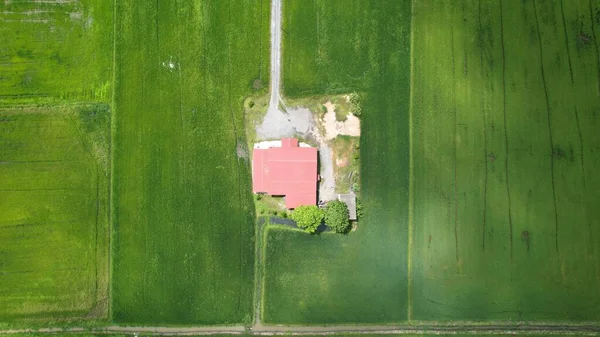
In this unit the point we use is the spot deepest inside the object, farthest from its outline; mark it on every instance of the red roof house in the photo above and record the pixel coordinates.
(289, 170)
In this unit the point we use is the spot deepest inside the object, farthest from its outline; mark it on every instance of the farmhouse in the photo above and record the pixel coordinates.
(286, 169)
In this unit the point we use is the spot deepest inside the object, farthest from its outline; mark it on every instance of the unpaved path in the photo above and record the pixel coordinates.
(582, 330)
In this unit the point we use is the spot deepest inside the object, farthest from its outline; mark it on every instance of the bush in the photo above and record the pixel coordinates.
(251, 104)
(359, 209)
(337, 217)
(257, 197)
(257, 84)
(308, 217)
(356, 156)
(355, 105)
(356, 187)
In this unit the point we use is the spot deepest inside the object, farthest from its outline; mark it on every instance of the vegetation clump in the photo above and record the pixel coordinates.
(355, 105)
(308, 217)
(337, 216)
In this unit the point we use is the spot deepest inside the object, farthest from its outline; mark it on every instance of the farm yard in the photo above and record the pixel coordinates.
(183, 210)
(126, 133)
(506, 114)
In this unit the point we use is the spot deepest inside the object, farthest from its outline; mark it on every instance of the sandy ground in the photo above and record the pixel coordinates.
(333, 128)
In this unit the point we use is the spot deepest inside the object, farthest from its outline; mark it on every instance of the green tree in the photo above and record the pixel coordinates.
(337, 217)
(308, 217)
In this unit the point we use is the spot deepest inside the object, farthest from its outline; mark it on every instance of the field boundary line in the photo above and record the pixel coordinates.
(410, 164)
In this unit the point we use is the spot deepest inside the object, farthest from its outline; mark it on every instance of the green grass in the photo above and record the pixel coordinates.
(315, 59)
(55, 51)
(54, 212)
(503, 223)
(348, 172)
(360, 277)
(505, 143)
(183, 210)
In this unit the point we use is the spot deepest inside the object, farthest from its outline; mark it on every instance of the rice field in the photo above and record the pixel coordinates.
(361, 277)
(183, 221)
(55, 74)
(55, 51)
(53, 212)
(497, 221)
(506, 113)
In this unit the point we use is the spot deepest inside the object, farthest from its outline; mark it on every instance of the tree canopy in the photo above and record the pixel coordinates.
(337, 216)
(308, 217)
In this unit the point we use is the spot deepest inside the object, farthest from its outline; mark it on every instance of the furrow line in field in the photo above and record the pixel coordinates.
(485, 145)
(96, 230)
(572, 84)
(595, 45)
(235, 142)
(260, 42)
(562, 13)
(548, 115)
(156, 25)
(510, 225)
(411, 173)
(455, 143)
(580, 145)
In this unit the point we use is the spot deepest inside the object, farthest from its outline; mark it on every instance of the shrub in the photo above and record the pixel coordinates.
(355, 105)
(359, 209)
(308, 217)
(337, 217)
(257, 84)
(356, 187)
(257, 197)
(356, 156)
(251, 104)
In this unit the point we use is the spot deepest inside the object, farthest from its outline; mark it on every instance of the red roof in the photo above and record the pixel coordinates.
(288, 170)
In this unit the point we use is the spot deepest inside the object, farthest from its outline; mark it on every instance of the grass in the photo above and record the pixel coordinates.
(55, 72)
(360, 277)
(315, 60)
(55, 52)
(54, 213)
(505, 106)
(347, 172)
(183, 209)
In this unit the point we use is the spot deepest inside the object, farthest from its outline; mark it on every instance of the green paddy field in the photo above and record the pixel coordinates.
(498, 220)
(125, 191)
(55, 73)
(361, 277)
(183, 224)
